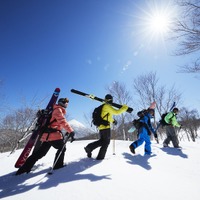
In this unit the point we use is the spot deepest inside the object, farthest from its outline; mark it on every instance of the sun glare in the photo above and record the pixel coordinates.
(156, 20)
(159, 23)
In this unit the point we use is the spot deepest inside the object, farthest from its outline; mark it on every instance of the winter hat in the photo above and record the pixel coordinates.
(62, 102)
(176, 110)
(108, 98)
(151, 111)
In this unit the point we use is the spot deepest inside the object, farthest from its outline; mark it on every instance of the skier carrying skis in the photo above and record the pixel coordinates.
(171, 121)
(104, 130)
(52, 137)
(144, 133)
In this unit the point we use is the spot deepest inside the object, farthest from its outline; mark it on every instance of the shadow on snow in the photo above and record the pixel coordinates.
(140, 160)
(12, 185)
(174, 152)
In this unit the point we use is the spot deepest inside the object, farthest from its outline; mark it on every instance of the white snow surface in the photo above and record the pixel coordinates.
(169, 174)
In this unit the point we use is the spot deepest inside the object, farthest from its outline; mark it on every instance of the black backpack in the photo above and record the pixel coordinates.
(137, 124)
(162, 121)
(44, 118)
(97, 120)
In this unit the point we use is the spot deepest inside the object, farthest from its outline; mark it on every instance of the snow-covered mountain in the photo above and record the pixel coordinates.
(80, 129)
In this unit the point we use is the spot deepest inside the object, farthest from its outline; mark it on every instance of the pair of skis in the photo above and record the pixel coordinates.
(129, 110)
(38, 130)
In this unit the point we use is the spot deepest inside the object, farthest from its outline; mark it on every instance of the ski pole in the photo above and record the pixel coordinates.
(113, 144)
(114, 137)
(65, 142)
(156, 139)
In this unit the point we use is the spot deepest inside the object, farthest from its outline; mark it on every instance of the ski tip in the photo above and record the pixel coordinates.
(17, 165)
(57, 89)
(153, 105)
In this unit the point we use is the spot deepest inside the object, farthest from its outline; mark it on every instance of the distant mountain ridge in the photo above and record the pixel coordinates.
(80, 129)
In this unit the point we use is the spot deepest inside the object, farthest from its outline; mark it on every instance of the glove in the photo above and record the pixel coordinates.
(70, 135)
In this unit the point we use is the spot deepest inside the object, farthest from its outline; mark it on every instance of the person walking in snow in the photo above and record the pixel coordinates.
(144, 131)
(105, 130)
(171, 121)
(52, 137)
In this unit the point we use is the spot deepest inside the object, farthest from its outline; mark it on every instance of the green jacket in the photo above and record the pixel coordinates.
(107, 114)
(170, 118)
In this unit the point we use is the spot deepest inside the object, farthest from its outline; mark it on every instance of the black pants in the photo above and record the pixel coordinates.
(103, 142)
(41, 152)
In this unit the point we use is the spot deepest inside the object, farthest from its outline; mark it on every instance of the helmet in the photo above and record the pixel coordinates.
(109, 98)
(62, 102)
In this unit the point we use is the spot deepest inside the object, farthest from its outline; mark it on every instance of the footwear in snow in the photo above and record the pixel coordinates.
(88, 151)
(132, 149)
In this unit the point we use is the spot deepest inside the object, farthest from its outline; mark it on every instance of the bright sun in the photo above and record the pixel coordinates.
(159, 23)
(156, 20)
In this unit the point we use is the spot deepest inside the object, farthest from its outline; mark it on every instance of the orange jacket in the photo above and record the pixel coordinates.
(59, 123)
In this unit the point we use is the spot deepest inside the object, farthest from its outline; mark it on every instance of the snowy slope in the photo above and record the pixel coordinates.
(170, 174)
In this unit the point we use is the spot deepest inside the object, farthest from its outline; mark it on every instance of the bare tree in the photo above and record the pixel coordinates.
(190, 121)
(14, 126)
(187, 31)
(166, 97)
(147, 89)
(122, 96)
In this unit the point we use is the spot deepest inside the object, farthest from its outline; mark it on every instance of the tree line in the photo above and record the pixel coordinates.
(18, 125)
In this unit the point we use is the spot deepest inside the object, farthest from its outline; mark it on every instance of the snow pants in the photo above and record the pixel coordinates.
(41, 152)
(103, 143)
(143, 138)
(171, 136)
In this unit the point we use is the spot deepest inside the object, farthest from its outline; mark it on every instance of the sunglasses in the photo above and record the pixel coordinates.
(66, 100)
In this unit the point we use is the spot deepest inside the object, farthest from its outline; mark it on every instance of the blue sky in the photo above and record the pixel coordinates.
(85, 45)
